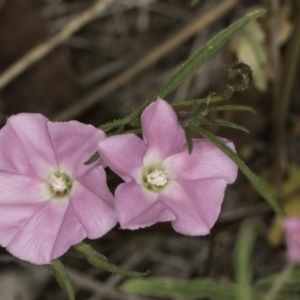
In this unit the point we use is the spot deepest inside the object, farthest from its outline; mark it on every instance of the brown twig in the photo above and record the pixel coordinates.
(153, 56)
(279, 154)
(2, 3)
(42, 50)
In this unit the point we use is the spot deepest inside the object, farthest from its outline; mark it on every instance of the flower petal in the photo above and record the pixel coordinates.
(195, 204)
(206, 161)
(16, 188)
(138, 208)
(37, 237)
(32, 132)
(161, 130)
(13, 157)
(292, 232)
(82, 141)
(14, 217)
(123, 154)
(93, 204)
(71, 232)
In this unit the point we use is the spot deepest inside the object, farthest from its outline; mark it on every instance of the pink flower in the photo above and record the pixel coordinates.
(49, 199)
(291, 227)
(162, 181)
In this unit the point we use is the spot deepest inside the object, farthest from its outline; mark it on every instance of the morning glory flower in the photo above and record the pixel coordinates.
(291, 227)
(49, 199)
(163, 182)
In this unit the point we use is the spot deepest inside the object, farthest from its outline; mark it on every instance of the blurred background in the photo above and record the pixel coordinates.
(117, 59)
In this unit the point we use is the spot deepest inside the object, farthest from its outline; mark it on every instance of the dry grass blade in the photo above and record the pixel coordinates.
(153, 56)
(42, 50)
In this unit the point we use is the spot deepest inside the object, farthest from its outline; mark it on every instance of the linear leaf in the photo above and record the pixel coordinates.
(188, 138)
(97, 260)
(202, 55)
(194, 289)
(231, 107)
(93, 158)
(58, 270)
(255, 180)
(242, 260)
(221, 122)
(191, 65)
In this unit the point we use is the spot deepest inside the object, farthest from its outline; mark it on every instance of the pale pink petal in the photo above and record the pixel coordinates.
(96, 214)
(74, 144)
(95, 180)
(13, 157)
(32, 132)
(292, 232)
(71, 232)
(195, 204)
(123, 154)
(14, 217)
(37, 237)
(16, 188)
(206, 161)
(138, 208)
(161, 130)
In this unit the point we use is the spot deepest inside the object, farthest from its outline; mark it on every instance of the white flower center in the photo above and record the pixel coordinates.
(58, 184)
(157, 177)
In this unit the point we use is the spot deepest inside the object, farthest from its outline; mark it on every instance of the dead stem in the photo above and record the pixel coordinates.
(151, 57)
(279, 152)
(42, 50)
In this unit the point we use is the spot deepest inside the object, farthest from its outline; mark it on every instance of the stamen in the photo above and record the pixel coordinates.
(58, 184)
(157, 177)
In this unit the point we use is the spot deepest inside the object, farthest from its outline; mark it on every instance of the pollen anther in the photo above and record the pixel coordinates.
(157, 177)
(58, 184)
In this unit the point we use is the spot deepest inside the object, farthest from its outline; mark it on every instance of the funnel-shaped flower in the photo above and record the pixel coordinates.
(162, 181)
(50, 200)
(291, 227)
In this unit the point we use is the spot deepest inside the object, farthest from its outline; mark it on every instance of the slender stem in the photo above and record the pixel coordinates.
(43, 49)
(279, 282)
(135, 114)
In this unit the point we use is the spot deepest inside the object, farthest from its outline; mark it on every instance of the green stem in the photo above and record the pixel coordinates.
(135, 114)
(279, 282)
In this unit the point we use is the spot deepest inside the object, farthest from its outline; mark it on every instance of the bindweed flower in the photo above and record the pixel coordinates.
(162, 181)
(50, 200)
(291, 227)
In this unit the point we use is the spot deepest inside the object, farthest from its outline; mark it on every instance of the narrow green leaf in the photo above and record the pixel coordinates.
(58, 270)
(231, 107)
(92, 159)
(213, 98)
(221, 122)
(189, 140)
(96, 259)
(254, 179)
(202, 55)
(187, 289)
(199, 288)
(242, 260)
(190, 66)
